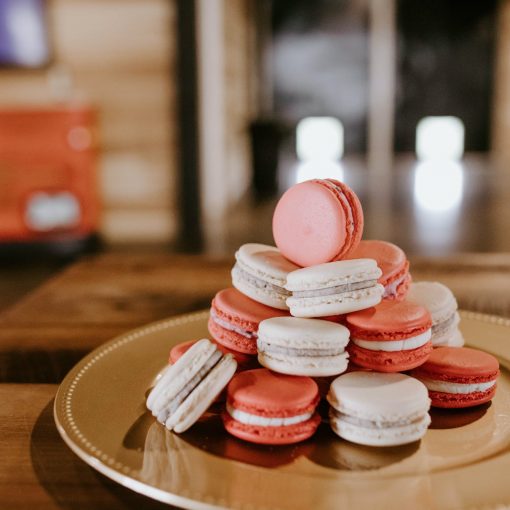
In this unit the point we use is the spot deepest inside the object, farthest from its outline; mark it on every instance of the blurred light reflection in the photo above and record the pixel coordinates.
(440, 138)
(319, 138)
(438, 185)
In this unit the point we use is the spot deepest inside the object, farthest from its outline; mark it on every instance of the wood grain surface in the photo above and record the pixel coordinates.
(42, 336)
(38, 470)
(46, 333)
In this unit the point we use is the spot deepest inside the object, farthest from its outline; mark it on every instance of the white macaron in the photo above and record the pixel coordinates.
(376, 409)
(260, 273)
(188, 387)
(442, 305)
(334, 288)
(310, 347)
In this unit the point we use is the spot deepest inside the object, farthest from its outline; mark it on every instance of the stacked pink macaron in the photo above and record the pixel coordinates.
(323, 313)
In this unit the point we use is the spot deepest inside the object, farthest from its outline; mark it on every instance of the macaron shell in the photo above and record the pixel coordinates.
(436, 297)
(397, 361)
(272, 435)
(178, 350)
(241, 311)
(319, 366)
(458, 400)
(231, 339)
(390, 258)
(269, 394)
(389, 320)
(310, 225)
(460, 365)
(266, 296)
(379, 397)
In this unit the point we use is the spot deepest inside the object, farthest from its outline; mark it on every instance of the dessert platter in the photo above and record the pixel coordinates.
(323, 377)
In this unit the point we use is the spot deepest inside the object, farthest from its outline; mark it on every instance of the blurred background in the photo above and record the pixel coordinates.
(175, 125)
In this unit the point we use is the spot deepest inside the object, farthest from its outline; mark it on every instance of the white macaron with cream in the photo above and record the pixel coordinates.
(261, 272)
(188, 387)
(296, 346)
(442, 305)
(334, 288)
(377, 409)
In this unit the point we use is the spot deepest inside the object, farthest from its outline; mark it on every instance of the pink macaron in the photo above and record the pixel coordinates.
(393, 263)
(390, 337)
(235, 318)
(244, 361)
(459, 377)
(269, 408)
(317, 221)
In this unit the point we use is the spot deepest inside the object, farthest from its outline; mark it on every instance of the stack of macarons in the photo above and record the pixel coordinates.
(324, 313)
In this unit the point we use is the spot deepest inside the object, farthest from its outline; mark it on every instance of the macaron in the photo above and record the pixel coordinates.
(311, 347)
(459, 377)
(244, 361)
(269, 408)
(442, 305)
(391, 337)
(334, 288)
(392, 261)
(234, 320)
(188, 387)
(260, 273)
(317, 221)
(375, 409)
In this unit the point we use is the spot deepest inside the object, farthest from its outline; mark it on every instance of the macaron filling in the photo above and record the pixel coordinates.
(338, 289)
(231, 327)
(378, 424)
(271, 349)
(254, 281)
(405, 344)
(457, 388)
(265, 421)
(441, 327)
(391, 288)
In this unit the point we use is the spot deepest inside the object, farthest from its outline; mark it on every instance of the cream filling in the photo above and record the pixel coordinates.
(406, 344)
(257, 282)
(457, 388)
(441, 327)
(164, 408)
(390, 290)
(329, 291)
(379, 423)
(271, 349)
(254, 419)
(231, 327)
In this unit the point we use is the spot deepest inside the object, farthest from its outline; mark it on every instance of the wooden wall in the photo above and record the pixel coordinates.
(120, 55)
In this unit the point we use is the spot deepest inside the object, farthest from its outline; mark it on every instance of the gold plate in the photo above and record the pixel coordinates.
(463, 461)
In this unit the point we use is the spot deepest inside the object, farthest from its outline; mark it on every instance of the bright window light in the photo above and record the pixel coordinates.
(323, 169)
(319, 138)
(438, 185)
(440, 138)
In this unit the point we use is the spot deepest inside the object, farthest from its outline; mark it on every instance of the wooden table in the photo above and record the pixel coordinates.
(98, 298)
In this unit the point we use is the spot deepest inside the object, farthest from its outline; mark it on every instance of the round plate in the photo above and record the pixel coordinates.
(464, 459)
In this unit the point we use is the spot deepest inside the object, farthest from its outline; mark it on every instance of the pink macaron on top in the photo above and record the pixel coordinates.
(240, 310)
(317, 221)
(389, 257)
(269, 394)
(459, 364)
(389, 320)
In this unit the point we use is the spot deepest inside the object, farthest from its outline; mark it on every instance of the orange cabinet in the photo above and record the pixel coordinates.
(47, 174)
